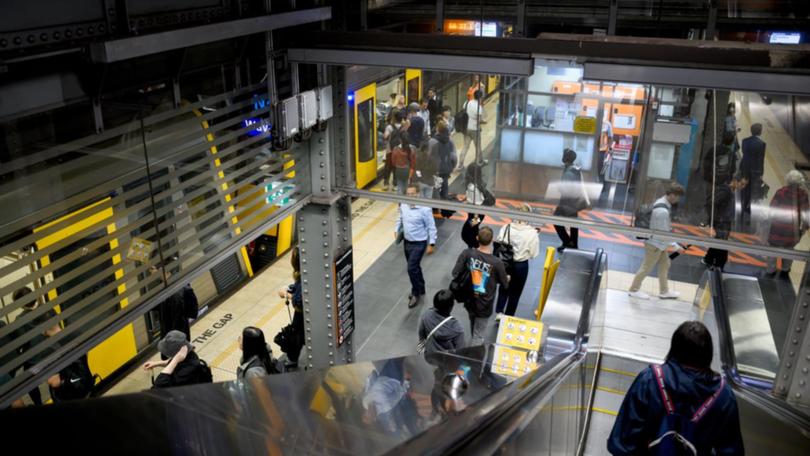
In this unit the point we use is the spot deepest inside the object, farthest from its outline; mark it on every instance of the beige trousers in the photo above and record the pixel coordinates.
(653, 256)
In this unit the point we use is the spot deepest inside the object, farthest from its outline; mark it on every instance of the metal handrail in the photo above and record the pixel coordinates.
(492, 414)
(728, 365)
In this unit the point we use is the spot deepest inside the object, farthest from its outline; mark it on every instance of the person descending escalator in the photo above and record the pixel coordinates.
(681, 406)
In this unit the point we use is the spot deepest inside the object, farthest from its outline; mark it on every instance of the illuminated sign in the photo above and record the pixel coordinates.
(276, 191)
(462, 27)
(785, 38)
(261, 126)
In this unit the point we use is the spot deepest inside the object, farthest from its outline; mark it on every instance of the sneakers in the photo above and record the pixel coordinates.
(498, 316)
(638, 294)
(669, 295)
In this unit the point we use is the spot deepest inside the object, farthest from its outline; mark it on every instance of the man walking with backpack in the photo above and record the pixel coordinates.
(680, 407)
(655, 250)
(486, 272)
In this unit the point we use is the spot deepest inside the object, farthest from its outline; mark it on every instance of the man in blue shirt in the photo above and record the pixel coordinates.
(419, 230)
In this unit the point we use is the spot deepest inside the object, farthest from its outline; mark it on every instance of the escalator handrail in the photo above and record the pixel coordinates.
(728, 364)
(453, 434)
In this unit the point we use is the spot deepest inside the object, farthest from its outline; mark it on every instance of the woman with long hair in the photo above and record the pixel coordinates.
(257, 358)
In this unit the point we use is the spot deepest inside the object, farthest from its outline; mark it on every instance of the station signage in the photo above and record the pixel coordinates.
(343, 280)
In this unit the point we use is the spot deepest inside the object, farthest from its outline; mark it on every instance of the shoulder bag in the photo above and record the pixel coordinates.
(420, 346)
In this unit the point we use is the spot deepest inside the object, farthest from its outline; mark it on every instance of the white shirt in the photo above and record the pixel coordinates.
(473, 118)
(660, 220)
(523, 238)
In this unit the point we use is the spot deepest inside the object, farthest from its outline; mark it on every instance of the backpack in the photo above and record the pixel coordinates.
(644, 214)
(289, 341)
(677, 432)
(77, 381)
(204, 374)
(461, 286)
(460, 120)
(401, 157)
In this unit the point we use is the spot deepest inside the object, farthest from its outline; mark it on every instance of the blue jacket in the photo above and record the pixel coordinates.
(642, 412)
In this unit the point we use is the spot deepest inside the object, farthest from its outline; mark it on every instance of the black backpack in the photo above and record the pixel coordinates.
(289, 341)
(77, 381)
(460, 120)
(204, 373)
(644, 214)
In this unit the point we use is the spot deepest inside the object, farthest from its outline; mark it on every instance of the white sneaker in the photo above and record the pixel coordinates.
(669, 295)
(498, 316)
(638, 294)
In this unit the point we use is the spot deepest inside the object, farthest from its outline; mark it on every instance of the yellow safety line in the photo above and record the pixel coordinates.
(617, 371)
(611, 390)
(373, 224)
(605, 411)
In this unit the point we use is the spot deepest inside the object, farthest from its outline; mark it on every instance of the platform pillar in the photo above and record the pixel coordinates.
(793, 378)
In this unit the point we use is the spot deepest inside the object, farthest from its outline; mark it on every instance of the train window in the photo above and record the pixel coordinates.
(365, 130)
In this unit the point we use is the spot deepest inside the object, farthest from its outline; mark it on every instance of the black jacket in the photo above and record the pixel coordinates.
(753, 157)
(443, 152)
(176, 310)
(188, 372)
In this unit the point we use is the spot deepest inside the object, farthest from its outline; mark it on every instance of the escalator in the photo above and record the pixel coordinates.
(439, 403)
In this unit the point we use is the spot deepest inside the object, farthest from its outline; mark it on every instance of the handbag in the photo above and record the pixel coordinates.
(420, 346)
(401, 230)
(504, 250)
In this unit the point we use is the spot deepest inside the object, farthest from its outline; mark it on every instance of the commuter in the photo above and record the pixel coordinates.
(525, 245)
(393, 129)
(20, 294)
(182, 366)
(752, 167)
(416, 127)
(404, 162)
(419, 232)
(443, 152)
(730, 125)
(447, 116)
(424, 113)
(723, 218)
(476, 116)
(789, 219)
(178, 311)
(257, 355)
(478, 195)
(655, 250)
(486, 273)
(720, 162)
(434, 106)
(291, 338)
(386, 401)
(425, 172)
(440, 330)
(469, 231)
(573, 198)
(75, 381)
(390, 107)
(681, 398)
(476, 86)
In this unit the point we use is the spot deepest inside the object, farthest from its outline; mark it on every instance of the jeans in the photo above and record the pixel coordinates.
(569, 241)
(471, 136)
(508, 299)
(414, 251)
(425, 191)
(478, 325)
(401, 176)
(653, 256)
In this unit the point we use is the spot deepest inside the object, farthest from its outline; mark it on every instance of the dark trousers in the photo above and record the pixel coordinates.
(718, 257)
(745, 194)
(508, 299)
(414, 251)
(568, 240)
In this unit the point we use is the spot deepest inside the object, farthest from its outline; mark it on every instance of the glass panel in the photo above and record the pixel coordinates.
(365, 113)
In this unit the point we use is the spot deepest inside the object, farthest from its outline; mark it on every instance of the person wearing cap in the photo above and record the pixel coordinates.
(182, 366)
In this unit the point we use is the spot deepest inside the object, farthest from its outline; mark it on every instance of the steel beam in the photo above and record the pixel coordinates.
(796, 84)
(439, 26)
(711, 22)
(613, 15)
(520, 23)
(793, 378)
(437, 62)
(139, 46)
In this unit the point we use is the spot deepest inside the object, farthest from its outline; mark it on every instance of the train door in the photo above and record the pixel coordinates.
(413, 85)
(365, 134)
(119, 348)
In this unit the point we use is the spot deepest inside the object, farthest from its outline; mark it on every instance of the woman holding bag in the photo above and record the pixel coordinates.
(525, 245)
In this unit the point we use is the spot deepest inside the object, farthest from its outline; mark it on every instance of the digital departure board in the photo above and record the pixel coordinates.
(344, 296)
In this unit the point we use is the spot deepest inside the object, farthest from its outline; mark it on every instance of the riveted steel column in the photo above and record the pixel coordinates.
(613, 14)
(439, 26)
(325, 235)
(793, 379)
(520, 23)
